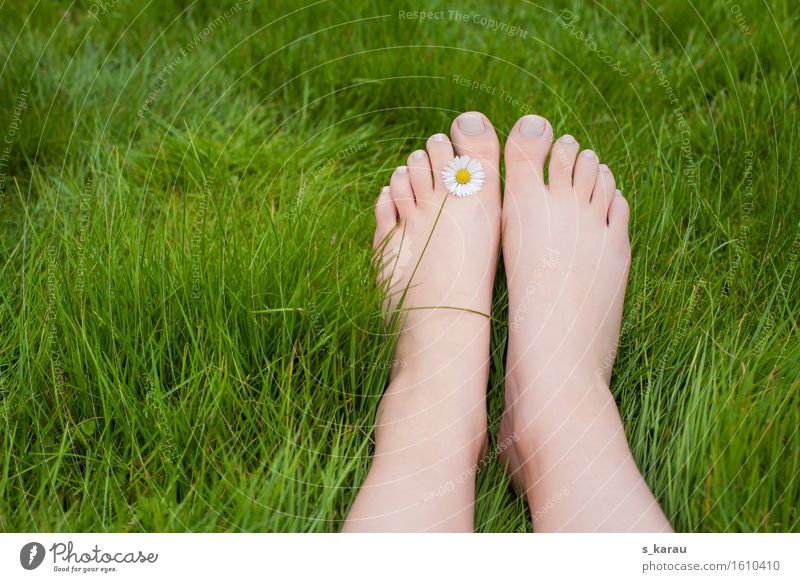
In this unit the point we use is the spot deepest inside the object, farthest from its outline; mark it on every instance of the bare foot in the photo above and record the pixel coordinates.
(567, 257)
(438, 256)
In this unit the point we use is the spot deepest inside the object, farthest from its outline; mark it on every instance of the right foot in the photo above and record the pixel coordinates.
(437, 255)
(567, 256)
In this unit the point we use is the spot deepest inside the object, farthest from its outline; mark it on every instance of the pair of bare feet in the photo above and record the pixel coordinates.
(567, 255)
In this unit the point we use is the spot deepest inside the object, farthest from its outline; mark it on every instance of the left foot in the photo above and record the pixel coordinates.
(567, 256)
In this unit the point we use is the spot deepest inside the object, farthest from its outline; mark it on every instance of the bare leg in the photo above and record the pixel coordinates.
(567, 257)
(438, 251)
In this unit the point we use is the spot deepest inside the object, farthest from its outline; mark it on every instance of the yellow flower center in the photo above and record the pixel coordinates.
(463, 176)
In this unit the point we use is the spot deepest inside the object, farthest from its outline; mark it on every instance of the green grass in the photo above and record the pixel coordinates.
(191, 339)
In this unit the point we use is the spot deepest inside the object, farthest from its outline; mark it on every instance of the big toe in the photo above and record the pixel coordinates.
(473, 135)
(526, 150)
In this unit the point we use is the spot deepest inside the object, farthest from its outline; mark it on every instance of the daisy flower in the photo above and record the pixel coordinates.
(463, 176)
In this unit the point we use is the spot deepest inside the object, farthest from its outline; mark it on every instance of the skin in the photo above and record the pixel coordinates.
(431, 423)
(567, 256)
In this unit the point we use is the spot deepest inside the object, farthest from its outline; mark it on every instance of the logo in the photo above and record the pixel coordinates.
(31, 555)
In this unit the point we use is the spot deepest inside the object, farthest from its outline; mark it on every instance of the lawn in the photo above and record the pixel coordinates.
(190, 337)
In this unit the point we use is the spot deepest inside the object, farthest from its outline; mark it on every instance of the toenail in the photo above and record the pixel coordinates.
(532, 126)
(603, 168)
(470, 124)
(402, 169)
(417, 155)
(568, 139)
(439, 137)
(588, 154)
(617, 193)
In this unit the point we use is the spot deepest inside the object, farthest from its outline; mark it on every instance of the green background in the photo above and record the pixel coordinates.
(190, 336)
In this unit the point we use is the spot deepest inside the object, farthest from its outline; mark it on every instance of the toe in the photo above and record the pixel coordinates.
(474, 136)
(604, 186)
(440, 152)
(619, 213)
(562, 163)
(419, 171)
(402, 194)
(386, 220)
(527, 147)
(385, 216)
(585, 175)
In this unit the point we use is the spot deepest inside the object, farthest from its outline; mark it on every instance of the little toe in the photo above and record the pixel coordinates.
(385, 215)
(619, 213)
(562, 163)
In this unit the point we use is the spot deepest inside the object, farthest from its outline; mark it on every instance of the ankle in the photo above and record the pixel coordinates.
(458, 446)
(431, 336)
(553, 381)
(549, 406)
(433, 416)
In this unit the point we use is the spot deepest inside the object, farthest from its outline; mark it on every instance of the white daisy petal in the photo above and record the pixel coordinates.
(460, 185)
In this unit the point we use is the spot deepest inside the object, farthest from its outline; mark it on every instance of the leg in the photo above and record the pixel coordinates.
(567, 257)
(437, 252)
